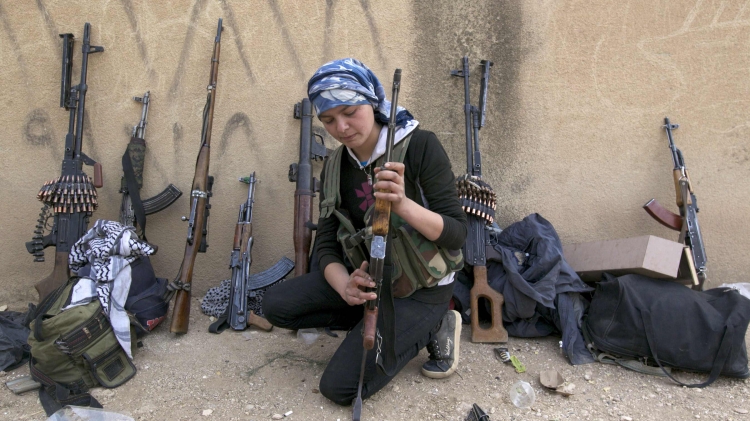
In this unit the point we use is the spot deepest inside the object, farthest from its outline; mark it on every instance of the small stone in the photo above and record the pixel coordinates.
(212, 319)
(587, 377)
(277, 416)
(626, 418)
(3, 307)
(740, 410)
(286, 414)
(207, 412)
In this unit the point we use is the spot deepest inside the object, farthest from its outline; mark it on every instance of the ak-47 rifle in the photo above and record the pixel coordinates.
(307, 185)
(238, 316)
(133, 210)
(72, 197)
(381, 219)
(478, 201)
(687, 221)
(199, 204)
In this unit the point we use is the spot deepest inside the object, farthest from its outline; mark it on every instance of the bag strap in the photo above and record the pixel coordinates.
(134, 193)
(719, 361)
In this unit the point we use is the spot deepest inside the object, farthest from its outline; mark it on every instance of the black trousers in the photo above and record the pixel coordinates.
(308, 301)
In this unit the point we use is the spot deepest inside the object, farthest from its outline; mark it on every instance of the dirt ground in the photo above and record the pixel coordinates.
(257, 375)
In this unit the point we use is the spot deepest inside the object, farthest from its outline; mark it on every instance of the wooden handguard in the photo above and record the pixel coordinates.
(677, 175)
(370, 323)
(481, 289)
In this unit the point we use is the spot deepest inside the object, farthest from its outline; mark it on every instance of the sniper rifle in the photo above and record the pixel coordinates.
(199, 204)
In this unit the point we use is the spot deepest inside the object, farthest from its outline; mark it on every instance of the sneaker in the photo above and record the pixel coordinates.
(443, 347)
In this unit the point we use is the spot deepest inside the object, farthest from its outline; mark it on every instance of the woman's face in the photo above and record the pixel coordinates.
(352, 125)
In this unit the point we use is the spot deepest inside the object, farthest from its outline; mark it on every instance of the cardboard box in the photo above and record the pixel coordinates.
(647, 255)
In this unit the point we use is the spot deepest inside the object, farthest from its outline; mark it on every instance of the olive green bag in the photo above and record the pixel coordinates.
(74, 350)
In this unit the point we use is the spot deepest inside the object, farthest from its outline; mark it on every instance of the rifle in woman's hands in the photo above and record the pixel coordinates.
(380, 226)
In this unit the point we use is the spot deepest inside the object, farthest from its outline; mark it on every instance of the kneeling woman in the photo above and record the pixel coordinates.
(425, 216)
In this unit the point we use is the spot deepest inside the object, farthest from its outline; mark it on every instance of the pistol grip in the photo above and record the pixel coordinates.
(98, 175)
(370, 324)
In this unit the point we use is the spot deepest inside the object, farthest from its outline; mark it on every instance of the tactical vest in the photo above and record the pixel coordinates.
(75, 350)
(417, 261)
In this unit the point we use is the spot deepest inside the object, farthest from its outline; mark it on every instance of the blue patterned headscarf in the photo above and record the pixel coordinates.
(349, 82)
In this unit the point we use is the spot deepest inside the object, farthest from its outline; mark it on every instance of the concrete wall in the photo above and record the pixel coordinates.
(578, 94)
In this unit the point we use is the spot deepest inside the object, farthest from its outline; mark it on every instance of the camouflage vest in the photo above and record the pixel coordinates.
(417, 261)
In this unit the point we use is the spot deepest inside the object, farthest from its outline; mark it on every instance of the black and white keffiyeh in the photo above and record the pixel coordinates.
(110, 247)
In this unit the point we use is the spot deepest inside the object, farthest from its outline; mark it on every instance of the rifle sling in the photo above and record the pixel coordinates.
(387, 364)
(134, 192)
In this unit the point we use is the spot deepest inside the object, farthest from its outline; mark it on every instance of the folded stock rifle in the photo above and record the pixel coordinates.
(70, 198)
(307, 185)
(243, 285)
(478, 201)
(687, 221)
(199, 204)
(133, 210)
(381, 219)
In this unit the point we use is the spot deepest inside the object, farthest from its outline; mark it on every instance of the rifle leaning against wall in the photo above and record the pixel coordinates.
(687, 221)
(72, 197)
(199, 204)
(307, 185)
(478, 201)
(133, 210)
(242, 285)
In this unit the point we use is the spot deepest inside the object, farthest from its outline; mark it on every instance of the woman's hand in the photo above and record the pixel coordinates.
(390, 185)
(354, 293)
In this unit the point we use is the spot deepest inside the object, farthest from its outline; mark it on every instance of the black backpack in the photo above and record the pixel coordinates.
(664, 324)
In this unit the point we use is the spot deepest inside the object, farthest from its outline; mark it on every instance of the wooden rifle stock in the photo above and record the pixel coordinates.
(199, 202)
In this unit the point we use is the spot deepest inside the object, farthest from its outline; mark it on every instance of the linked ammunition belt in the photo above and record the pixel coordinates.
(476, 197)
(69, 194)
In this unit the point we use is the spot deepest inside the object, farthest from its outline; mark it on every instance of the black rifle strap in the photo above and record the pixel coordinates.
(387, 364)
(221, 323)
(135, 195)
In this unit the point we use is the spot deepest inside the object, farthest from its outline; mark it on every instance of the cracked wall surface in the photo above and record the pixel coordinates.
(578, 94)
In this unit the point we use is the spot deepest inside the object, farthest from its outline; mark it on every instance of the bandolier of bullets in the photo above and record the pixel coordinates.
(69, 194)
(476, 197)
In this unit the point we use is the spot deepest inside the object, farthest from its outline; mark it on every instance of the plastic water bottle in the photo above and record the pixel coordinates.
(308, 335)
(522, 394)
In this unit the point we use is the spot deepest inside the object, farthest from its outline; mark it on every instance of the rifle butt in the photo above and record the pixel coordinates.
(258, 321)
(59, 276)
(181, 314)
(370, 325)
(481, 290)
